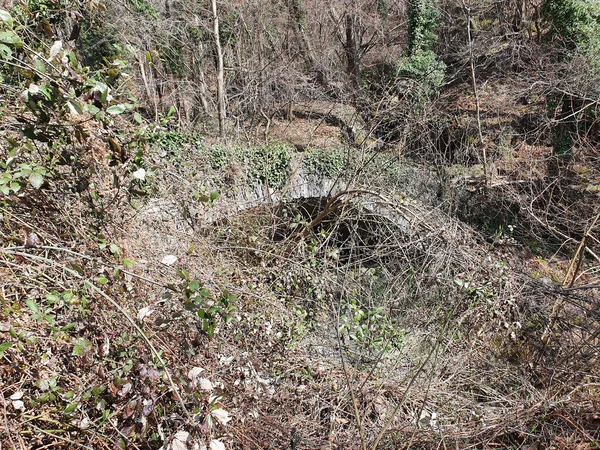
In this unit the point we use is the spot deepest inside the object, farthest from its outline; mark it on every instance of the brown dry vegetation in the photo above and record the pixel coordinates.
(162, 288)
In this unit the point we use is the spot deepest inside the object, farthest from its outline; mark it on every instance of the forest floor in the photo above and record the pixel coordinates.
(128, 322)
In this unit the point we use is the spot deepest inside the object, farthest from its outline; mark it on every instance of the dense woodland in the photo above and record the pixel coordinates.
(300, 224)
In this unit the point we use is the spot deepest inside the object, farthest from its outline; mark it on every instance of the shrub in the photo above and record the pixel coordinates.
(578, 23)
(420, 72)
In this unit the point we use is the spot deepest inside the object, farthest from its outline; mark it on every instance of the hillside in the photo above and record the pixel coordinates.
(299, 224)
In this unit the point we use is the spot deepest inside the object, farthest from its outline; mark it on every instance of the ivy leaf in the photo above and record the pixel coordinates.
(10, 37)
(6, 18)
(5, 346)
(39, 65)
(72, 407)
(36, 179)
(93, 110)
(116, 109)
(5, 52)
(137, 116)
(82, 346)
(75, 107)
(115, 249)
(32, 305)
(127, 263)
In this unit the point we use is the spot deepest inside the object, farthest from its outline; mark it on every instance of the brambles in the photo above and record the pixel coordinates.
(211, 309)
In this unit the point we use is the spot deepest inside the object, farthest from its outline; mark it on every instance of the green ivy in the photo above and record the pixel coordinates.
(423, 17)
(328, 164)
(420, 72)
(171, 141)
(269, 164)
(578, 23)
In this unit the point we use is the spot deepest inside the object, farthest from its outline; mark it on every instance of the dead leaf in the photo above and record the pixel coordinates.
(55, 49)
(125, 389)
(144, 312)
(130, 409)
(32, 240)
(169, 260)
(194, 372)
(140, 174)
(18, 404)
(180, 439)
(147, 407)
(216, 445)
(204, 384)
(114, 389)
(178, 445)
(221, 415)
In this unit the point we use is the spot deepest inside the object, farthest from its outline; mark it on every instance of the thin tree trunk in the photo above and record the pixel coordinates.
(352, 51)
(298, 13)
(220, 70)
(149, 91)
(476, 94)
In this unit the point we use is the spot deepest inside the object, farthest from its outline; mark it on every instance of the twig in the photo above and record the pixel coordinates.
(141, 332)
(6, 420)
(11, 250)
(475, 92)
(363, 444)
(574, 266)
(55, 436)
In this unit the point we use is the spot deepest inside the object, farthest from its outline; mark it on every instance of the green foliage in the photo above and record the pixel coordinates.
(98, 39)
(173, 141)
(328, 164)
(423, 17)
(171, 53)
(48, 92)
(13, 179)
(382, 8)
(210, 308)
(81, 346)
(219, 157)
(269, 164)
(562, 142)
(420, 72)
(144, 7)
(369, 328)
(578, 23)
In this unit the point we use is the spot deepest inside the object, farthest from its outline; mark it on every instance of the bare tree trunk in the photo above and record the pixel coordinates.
(298, 13)
(352, 51)
(149, 91)
(486, 174)
(199, 77)
(220, 70)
